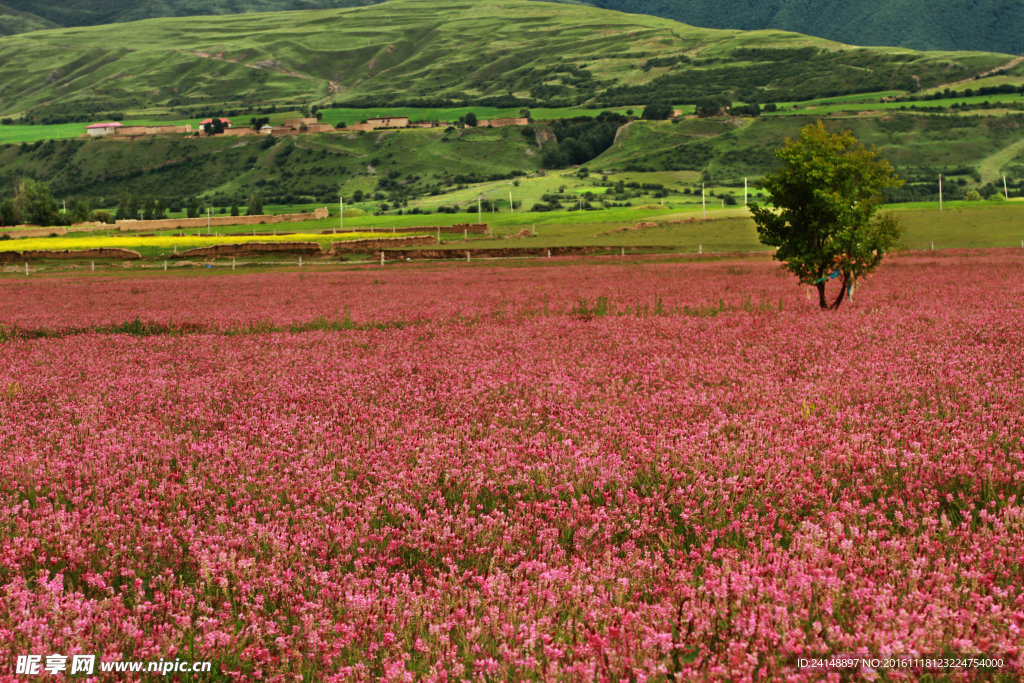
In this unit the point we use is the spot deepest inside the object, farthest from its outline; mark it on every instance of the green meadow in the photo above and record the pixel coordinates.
(960, 225)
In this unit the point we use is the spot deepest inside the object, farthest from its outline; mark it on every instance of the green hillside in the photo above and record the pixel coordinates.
(435, 167)
(13, 22)
(437, 53)
(986, 25)
(989, 25)
(972, 150)
(312, 167)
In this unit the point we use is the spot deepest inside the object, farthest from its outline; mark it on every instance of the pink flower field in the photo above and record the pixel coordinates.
(571, 470)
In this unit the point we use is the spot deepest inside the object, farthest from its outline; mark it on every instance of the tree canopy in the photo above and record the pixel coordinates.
(255, 206)
(658, 111)
(34, 205)
(216, 127)
(824, 196)
(712, 106)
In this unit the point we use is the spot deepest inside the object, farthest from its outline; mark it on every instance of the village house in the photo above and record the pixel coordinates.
(225, 121)
(307, 125)
(99, 130)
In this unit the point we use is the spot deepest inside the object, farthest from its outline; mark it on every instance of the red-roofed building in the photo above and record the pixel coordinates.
(98, 130)
(226, 122)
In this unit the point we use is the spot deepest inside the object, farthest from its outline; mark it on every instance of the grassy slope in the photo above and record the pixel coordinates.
(732, 149)
(410, 48)
(13, 22)
(824, 108)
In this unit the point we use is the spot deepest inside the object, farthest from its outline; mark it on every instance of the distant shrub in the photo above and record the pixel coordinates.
(658, 111)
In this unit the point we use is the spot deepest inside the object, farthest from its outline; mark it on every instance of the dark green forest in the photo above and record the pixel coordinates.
(13, 22)
(987, 25)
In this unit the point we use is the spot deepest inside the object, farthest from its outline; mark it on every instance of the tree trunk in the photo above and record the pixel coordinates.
(821, 296)
(842, 292)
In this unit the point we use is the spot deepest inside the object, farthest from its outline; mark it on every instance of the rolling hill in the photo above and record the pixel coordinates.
(984, 25)
(436, 53)
(13, 22)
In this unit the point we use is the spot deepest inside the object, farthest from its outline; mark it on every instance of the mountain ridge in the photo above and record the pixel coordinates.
(517, 52)
(982, 25)
(14, 22)
(69, 13)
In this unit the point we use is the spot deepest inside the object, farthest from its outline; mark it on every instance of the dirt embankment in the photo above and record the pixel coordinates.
(468, 228)
(357, 246)
(250, 248)
(120, 254)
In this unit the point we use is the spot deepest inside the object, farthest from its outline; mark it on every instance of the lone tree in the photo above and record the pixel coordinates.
(712, 106)
(825, 195)
(658, 111)
(255, 207)
(471, 120)
(216, 127)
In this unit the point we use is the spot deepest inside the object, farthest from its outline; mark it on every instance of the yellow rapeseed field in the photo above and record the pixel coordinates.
(170, 243)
